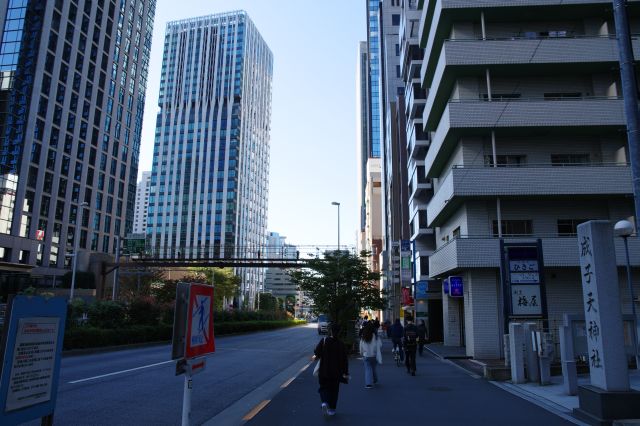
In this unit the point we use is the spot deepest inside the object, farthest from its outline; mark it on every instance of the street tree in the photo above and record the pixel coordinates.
(226, 283)
(340, 285)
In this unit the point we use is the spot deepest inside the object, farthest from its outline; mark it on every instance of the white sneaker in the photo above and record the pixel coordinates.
(325, 409)
(331, 412)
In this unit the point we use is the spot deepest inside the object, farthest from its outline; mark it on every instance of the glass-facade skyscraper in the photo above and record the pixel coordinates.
(373, 41)
(210, 175)
(73, 77)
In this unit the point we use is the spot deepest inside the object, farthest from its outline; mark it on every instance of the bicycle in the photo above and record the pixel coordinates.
(396, 355)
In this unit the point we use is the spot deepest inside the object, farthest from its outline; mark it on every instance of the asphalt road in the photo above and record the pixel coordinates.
(139, 386)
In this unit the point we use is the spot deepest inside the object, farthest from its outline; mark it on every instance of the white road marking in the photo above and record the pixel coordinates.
(120, 372)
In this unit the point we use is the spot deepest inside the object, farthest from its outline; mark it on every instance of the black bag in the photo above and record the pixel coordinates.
(410, 337)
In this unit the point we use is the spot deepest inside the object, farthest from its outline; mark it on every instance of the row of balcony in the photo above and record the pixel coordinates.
(535, 56)
(532, 181)
(437, 15)
(590, 115)
(484, 252)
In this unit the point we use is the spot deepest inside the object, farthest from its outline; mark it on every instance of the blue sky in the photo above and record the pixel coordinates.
(313, 154)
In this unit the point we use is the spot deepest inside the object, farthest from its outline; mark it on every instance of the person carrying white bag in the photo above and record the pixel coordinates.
(370, 349)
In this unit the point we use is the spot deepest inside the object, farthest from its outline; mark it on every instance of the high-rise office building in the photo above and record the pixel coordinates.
(210, 175)
(73, 76)
(374, 82)
(362, 135)
(395, 215)
(142, 204)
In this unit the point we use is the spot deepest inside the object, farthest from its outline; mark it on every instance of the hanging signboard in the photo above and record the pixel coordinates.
(421, 290)
(445, 286)
(456, 287)
(523, 283)
(32, 341)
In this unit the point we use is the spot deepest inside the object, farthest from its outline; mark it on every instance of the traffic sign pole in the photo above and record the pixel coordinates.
(186, 399)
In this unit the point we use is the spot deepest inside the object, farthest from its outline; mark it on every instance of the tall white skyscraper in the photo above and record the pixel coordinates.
(210, 176)
(142, 204)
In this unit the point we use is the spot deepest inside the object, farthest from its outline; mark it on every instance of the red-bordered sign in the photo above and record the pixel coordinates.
(39, 235)
(199, 337)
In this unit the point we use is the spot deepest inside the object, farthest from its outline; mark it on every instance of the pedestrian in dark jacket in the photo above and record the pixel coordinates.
(410, 342)
(422, 336)
(334, 369)
(397, 332)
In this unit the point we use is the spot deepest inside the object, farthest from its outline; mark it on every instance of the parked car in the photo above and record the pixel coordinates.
(323, 324)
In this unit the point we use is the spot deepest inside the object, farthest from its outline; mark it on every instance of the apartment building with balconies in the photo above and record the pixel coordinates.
(527, 139)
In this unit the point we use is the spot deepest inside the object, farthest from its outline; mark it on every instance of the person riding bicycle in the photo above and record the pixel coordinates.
(397, 332)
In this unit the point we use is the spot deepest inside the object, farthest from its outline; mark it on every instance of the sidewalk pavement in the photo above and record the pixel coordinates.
(441, 394)
(553, 395)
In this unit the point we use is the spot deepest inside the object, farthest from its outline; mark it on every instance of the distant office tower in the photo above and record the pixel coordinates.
(142, 204)
(73, 76)
(210, 176)
(277, 281)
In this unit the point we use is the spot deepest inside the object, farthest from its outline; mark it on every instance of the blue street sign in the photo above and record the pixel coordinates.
(456, 287)
(421, 290)
(405, 245)
(34, 335)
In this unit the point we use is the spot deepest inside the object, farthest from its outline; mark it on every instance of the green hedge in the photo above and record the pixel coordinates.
(91, 337)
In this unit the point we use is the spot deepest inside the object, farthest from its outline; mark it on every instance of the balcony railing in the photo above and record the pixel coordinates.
(484, 252)
(468, 116)
(533, 180)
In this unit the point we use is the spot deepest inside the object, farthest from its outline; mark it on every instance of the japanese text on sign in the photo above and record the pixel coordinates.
(590, 302)
(32, 370)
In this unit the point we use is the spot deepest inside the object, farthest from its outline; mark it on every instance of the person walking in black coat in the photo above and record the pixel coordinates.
(334, 369)
(410, 342)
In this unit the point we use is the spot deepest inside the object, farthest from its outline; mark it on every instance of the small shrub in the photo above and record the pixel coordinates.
(107, 314)
(144, 311)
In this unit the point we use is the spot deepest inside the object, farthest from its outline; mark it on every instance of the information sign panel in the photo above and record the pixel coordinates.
(523, 281)
(31, 358)
(421, 290)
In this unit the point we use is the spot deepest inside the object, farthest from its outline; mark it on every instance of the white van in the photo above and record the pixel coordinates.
(323, 324)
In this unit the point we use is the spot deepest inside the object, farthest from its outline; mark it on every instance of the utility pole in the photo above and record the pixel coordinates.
(630, 95)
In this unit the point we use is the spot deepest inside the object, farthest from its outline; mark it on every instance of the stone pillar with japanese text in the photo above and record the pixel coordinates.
(602, 310)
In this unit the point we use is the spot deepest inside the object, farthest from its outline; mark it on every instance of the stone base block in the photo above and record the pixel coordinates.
(600, 408)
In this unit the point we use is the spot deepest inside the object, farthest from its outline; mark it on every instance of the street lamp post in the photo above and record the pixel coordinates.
(76, 241)
(335, 203)
(624, 229)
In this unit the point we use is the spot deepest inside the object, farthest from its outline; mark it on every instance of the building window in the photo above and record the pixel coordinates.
(395, 19)
(511, 228)
(569, 159)
(569, 227)
(506, 160)
(456, 233)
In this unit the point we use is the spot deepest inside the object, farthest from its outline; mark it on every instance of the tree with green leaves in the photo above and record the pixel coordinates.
(226, 283)
(340, 285)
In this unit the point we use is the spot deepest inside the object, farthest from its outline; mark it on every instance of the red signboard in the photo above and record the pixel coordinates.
(406, 297)
(199, 337)
(39, 235)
